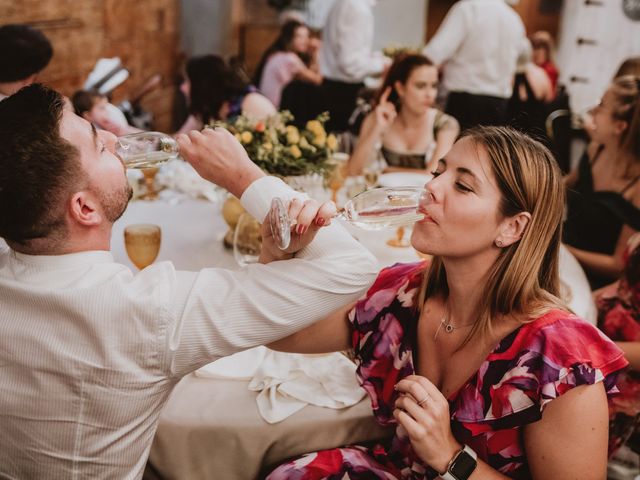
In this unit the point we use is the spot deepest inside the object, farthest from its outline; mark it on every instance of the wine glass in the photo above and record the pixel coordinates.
(375, 209)
(142, 242)
(247, 240)
(146, 149)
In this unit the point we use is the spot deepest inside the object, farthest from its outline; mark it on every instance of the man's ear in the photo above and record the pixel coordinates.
(512, 229)
(83, 209)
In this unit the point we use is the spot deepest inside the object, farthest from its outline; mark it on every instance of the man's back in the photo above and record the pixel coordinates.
(479, 41)
(82, 378)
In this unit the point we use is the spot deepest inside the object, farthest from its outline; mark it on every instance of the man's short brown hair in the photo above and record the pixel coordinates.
(38, 168)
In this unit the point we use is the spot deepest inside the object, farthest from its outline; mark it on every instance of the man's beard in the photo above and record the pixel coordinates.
(115, 203)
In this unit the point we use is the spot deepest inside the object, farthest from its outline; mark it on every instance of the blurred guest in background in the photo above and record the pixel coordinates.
(24, 52)
(346, 58)
(531, 95)
(619, 318)
(409, 132)
(631, 66)
(286, 59)
(215, 92)
(604, 192)
(543, 56)
(94, 107)
(477, 45)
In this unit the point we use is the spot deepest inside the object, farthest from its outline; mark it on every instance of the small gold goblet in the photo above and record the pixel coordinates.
(142, 242)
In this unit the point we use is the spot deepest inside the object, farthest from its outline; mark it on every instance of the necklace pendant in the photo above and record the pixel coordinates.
(448, 328)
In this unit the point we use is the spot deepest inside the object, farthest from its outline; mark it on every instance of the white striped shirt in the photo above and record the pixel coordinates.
(90, 351)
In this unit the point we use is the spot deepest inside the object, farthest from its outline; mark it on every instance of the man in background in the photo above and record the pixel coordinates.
(24, 52)
(477, 46)
(346, 58)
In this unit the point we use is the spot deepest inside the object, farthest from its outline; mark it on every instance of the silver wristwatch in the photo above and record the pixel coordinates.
(461, 465)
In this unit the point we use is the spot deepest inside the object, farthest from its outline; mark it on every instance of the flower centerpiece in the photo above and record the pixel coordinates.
(279, 148)
(301, 157)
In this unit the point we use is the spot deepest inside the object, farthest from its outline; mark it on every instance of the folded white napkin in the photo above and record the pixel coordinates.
(288, 382)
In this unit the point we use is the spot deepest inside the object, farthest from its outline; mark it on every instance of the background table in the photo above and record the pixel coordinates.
(211, 428)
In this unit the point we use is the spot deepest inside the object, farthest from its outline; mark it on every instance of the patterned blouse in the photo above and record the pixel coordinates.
(536, 363)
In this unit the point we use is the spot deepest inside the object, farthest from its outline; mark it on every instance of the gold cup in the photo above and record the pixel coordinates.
(142, 242)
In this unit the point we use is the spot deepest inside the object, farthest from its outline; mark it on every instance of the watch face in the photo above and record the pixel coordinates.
(463, 466)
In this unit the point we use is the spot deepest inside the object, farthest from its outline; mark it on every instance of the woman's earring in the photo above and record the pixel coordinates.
(499, 243)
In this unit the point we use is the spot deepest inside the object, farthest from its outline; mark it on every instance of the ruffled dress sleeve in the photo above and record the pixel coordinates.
(536, 364)
(384, 323)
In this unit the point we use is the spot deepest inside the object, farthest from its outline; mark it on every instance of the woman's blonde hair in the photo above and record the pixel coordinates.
(524, 279)
(626, 95)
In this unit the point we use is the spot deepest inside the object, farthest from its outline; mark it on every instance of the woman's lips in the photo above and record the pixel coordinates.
(427, 218)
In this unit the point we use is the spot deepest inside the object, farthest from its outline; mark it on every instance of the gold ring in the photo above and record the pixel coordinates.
(423, 401)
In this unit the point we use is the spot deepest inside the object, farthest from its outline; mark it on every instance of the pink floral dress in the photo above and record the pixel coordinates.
(530, 367)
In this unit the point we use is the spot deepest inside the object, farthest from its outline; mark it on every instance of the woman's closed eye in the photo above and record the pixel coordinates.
(463, 188)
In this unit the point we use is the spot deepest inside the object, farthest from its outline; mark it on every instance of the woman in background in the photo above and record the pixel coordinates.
(215, 92)
(409, 131)
(285, 60)
(543, 53)
(604, 193)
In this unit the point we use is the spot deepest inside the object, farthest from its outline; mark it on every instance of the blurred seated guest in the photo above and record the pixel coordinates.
(215, 92)
(604, 192)
(477, 46)
(630, 66)
(543, 54)
(94, 107)
(346, 58)
(619, 318)
(468, 354)
(24, 52)
(532, 92)
(409, 131)
(286, 59)
(90, 351)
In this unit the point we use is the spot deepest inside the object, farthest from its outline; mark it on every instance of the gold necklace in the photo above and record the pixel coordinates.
(448, 326)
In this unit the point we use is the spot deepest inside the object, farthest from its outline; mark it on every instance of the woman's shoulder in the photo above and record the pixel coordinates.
(443, 121)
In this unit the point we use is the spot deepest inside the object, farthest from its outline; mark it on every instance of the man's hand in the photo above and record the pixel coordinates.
(218, 157)
(309, 216)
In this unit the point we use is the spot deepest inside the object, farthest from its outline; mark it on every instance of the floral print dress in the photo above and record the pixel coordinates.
(619, 318)
(530, 367)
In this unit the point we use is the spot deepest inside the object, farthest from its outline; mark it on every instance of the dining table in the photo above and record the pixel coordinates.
(211, 427)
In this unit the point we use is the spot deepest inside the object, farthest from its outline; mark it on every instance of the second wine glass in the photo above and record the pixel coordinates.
(375, 209)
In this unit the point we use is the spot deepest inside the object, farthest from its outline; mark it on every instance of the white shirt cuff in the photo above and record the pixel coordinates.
(256, 199)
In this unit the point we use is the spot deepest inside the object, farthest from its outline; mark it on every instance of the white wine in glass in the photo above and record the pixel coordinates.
(375, 209)
(142, 242)
(146, 149)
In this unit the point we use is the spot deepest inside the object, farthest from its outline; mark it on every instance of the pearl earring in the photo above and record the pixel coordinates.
(499, 243)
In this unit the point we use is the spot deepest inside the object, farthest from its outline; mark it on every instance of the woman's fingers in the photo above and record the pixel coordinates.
(384, 98)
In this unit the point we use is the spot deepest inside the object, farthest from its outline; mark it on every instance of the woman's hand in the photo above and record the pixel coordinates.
(308, 217)
(385, 112)
(424, 414)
